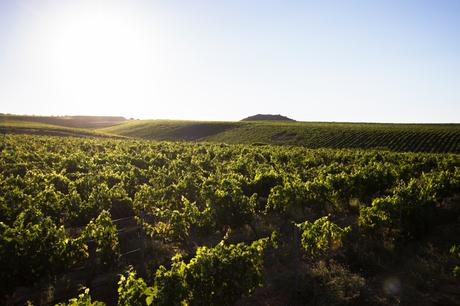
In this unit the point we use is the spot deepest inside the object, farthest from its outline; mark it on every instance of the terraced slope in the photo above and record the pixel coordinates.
(172, 130)
(82, 122)
(9, 126)
(396, 137)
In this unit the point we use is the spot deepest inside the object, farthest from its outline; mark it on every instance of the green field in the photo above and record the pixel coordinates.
(141, 222)
(55, 126)
(82, 122)
(396, 137)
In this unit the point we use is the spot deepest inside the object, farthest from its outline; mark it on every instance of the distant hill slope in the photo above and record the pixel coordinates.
(267, 117)
(82, 122)
(170, 129)
(396, 137)
(78, 126)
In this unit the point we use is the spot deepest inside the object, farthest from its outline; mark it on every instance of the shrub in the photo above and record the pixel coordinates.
(321, 236)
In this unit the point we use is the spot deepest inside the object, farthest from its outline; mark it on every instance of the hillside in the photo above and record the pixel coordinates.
(396, 137)
(262, 117)
(78, 126)
(170, 129)
(83, 122)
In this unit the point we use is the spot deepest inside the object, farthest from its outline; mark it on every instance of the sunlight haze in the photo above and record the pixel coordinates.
(367, 61)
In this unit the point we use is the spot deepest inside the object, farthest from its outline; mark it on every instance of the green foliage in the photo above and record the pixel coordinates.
(287, 198)
(321, 236)
(58, 196)
(221, 275)
(174, 228)
(105, 237)
(408, 213)
(218, 275)
(229, 205)
(455, 250)
(201, 220)
(83, 299)
(264, 181)
(295, 197)
(170, 287)
(34, 247)
(382, 212)
(131, 290)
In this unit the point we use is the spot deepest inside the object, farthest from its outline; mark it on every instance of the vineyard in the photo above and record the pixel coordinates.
(88, 221)
(430, 138)
(396, 137)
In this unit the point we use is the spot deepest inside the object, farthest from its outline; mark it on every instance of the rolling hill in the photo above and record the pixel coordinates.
(396, 137)
(262, 117)
(86, 122)
(78, 126)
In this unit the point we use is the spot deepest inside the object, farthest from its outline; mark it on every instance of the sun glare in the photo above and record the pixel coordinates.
(99, 57)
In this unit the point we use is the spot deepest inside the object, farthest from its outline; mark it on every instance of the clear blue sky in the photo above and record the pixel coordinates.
(373, 61)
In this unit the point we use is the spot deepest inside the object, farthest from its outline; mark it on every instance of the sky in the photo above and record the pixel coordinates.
(344, 60)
